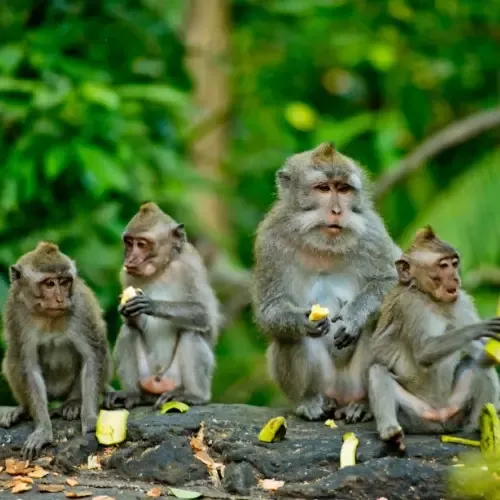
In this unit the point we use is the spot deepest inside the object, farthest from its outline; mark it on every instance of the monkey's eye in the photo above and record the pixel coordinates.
(50, 284)
(343, 188)
(324, 188)
(142, 245)
(65, 283)
(443, 264)
(455, 263)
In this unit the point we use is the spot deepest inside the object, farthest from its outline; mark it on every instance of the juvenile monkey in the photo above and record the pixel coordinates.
(56, 344)
(322, 242)
(170, 330)
(429, 373)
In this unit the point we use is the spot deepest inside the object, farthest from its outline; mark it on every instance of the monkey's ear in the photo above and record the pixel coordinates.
(403, 267)
(283, 179)
(14, 273)
(179, 233)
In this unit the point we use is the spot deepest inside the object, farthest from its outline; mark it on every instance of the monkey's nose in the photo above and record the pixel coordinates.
(336, 210)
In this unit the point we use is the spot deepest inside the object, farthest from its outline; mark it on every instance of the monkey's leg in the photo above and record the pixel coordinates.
(302, 370)
(197, 362)
(382, 394)
(70, 408)
(13, 416)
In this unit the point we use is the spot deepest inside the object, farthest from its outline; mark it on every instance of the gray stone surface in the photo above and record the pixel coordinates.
(157, 453)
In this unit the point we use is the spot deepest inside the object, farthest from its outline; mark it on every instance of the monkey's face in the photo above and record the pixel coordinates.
(54, 295)
(141, 255)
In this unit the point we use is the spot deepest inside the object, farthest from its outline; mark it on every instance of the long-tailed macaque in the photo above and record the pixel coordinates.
(430, 373)
(322, 242)
(170, 329)
(56, 344)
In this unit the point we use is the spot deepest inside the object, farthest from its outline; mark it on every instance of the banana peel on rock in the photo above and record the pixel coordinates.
(274, 430)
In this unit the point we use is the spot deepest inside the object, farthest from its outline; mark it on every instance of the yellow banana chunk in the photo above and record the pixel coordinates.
(274, 430)
(174, 406)
(458, 440)
(318, 312)
(492, 349)
(128, 293)
(111, 426)
(348, 450)
(489, 426)
(331, 423)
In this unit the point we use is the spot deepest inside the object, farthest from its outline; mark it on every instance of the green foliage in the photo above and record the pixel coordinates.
(96, 116)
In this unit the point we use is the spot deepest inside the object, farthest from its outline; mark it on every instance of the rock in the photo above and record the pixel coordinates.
(158, 452)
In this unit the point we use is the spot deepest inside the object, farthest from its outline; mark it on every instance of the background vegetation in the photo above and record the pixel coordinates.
(101, 107)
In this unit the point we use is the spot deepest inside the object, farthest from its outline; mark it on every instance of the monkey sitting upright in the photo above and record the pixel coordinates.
(421, 381)
(56, 344)
(170, 329)
(322, 243)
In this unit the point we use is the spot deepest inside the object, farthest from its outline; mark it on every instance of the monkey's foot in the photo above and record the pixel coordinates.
(12, 416)
(89, 424)
(330, 404)
(70, 409)
(394, 436)
(121, 398)
(179, 394)
(354, 412)
(441, 414)
(311, 409)
(35, 442)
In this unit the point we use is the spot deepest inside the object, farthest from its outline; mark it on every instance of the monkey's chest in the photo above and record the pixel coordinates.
(61, 366)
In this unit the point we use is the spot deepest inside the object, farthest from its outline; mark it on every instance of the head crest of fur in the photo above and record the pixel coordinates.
(47, 247)
(426, 239)
(324, 152)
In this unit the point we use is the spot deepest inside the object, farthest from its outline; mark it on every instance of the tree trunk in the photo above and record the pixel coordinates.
(207, 41)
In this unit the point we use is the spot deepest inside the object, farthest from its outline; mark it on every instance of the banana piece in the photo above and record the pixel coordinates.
(489, 426)
(318, 312)
(128, 293)
(111, 426)
(274, 430)
(348, 450)
(492, 347)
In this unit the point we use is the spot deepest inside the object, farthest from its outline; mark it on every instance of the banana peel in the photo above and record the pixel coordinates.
(274, 430)
(129, 293)
(174, 406)
(348, 450)
(459, 440)
(317, 312)
(111, 426)
(331, 423)
(489, 426)
(492, 346)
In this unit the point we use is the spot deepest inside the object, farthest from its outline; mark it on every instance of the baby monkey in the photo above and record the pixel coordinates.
(56, 344)
(430, 374)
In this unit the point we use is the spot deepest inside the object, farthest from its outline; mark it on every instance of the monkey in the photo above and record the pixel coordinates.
(56, 345)
(170, 330)
(321, 242)
(429, 373)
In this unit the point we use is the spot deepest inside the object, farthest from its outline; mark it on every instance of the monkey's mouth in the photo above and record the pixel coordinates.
(55, 312)
(334, 228)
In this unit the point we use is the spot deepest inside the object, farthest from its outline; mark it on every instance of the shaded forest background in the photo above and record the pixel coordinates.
(195, 104)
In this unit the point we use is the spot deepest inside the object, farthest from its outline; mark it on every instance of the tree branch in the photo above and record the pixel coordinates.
(456, 133)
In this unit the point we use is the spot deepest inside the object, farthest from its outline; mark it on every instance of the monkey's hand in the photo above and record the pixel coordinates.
(347, 331)
(140, 304)
(315, 329)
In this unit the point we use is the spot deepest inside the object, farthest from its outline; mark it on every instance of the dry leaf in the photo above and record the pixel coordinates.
(51, 488)
(271, 484)
(38, 473)
(1, 468)
(78, 494)
(71, 481)
(43, 461)
(93, 462)
(196, 442)
(20, 487)
(204, 457)
(13, 466)
(154, 492)
(103, 497)
(26, 480)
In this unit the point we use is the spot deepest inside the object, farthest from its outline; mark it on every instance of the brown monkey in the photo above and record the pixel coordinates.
(56, 344)
(322, 242)
(420, 380)
(170, 329)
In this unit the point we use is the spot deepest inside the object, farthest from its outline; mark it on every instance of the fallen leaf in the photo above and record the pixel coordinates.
(184, 493)
(38, 473)
(1, 468)
(77, 494)
(204, 457)
(154, 492)
(103, 497)
(43, 461)
(20, 487)
(271, 484)
(197, 441)
(26, 480)
(71, 481)
(14, 467)
(93, 462)
(51, 488)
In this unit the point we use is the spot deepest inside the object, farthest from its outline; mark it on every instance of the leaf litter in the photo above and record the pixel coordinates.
(215, 469)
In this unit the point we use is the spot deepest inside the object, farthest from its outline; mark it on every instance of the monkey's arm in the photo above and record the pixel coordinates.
(430, 348)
